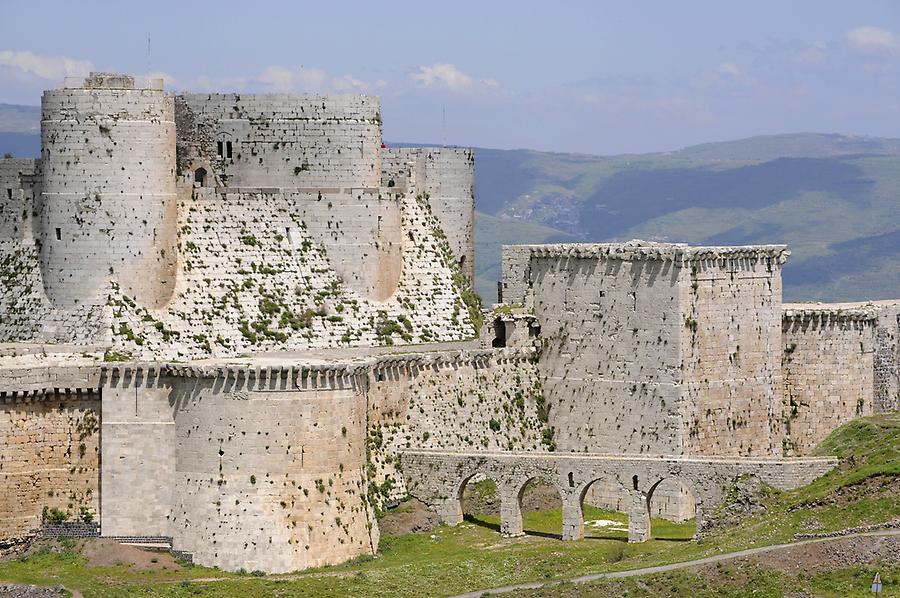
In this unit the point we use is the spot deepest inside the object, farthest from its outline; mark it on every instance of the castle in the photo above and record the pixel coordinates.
(226, 319)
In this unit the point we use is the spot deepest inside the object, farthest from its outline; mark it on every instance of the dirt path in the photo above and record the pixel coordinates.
(672, 566)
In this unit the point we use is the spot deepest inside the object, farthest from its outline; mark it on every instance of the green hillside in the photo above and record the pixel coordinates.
(839, 213)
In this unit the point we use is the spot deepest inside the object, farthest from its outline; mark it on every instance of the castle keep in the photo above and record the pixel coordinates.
(242, 325)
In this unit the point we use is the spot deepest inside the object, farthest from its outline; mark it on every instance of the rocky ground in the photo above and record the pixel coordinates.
(410, 516)
(22, 591)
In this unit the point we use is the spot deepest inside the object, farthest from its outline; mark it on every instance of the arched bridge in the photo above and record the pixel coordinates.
(438, 479)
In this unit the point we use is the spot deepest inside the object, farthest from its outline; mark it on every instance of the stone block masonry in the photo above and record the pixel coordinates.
(446, 175)
(49, 457)
(828, 372)
(247, 323)
(438, 478)
(288, 141)
(107, 193)
(650, 348)
(841, 361)
(147, 205)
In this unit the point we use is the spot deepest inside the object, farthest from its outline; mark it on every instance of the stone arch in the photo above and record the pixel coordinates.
(500, 333)
(604, 492)
(532, 482)
(677, 486)
(200, 177)
(490, 505)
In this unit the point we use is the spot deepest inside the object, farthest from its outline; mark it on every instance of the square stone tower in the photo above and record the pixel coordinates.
(656, 348)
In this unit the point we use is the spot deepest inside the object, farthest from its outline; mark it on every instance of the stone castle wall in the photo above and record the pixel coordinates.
(730, 351)
(278, 468)
(255, 277)
(603, 322)
(289, 141)
(17, 181)
(108, 201)
(645, 349)
(474, 400)
(447, 176)
(254, 469)
(267, 199)
(653, 347)
(49, 457)
(886, 361)
(828, 372)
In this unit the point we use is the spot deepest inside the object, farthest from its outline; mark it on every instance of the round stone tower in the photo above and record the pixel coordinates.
(108, 198)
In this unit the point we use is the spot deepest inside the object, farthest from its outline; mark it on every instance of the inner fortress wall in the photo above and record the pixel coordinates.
(288, 141)
(108, 192)
(730, 325)
(828, 371)
(254, 277)
(447, 176)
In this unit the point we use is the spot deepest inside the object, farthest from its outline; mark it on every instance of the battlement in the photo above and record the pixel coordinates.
(112, 81)
(637, 250)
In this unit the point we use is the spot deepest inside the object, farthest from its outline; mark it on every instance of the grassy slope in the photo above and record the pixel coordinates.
(473, 555)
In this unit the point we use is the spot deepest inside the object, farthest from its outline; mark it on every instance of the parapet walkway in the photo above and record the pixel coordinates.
(438, 479)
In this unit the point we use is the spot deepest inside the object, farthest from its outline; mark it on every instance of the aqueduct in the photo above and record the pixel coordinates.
(438, 479)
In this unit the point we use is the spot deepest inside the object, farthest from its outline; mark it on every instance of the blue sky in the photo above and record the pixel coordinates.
(596, 77)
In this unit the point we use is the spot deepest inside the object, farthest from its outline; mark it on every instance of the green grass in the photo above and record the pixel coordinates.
(549, 523)
(473, 555)
(735, 581)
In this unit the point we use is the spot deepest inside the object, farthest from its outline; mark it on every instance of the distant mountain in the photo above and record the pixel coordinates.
(835, 199)
(20, 145)
(16, 118)
(793, 145)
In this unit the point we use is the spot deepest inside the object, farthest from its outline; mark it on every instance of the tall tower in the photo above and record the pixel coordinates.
(109, 206)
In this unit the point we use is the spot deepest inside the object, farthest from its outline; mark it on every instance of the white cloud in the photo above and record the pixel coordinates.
(448, 76)
(811, 54)
(169, 80)
(219, 84)
(873, 39)
(282, 79)
(733, 72)
(45, 67)
(729, 68)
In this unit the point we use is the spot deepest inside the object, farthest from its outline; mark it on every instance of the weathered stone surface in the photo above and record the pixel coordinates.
(200, 298)
(439, 478)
